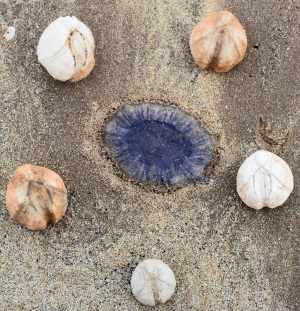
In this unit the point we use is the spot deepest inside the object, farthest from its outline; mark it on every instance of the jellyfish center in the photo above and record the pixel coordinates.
(159, 141)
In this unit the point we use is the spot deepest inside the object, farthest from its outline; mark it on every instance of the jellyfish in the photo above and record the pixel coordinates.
(158, 144)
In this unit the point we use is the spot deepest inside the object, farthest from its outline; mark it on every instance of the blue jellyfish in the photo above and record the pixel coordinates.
(158, 144)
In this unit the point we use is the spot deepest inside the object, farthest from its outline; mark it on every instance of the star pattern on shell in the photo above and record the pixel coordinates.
(153, 282)
(264, 179)
(218, 42)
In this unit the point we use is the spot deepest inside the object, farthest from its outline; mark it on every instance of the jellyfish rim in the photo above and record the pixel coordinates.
(130, 115)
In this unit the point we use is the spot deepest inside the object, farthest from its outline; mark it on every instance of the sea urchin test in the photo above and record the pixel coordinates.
(158, 144)
(36, 196)
(218, 42)
(66, 49)
(152, 282)
(264, 179)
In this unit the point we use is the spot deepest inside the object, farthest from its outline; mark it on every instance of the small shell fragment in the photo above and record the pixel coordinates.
(9, 33)
(152, 282)
(264, 179)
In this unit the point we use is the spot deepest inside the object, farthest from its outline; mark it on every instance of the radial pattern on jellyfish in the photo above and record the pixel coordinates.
(158, 144)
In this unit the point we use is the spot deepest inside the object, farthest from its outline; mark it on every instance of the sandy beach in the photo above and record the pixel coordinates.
(225, 256)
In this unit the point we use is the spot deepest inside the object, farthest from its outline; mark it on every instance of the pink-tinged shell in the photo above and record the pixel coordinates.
(218, 42)
(36, 196)
(66, 49)
(264, 179)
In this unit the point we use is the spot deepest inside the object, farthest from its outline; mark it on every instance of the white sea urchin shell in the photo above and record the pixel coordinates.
(264, 179)
(9, 33)
(66, 49)
(152, 282)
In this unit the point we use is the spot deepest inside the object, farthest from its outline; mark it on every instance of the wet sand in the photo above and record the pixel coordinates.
(225, 256)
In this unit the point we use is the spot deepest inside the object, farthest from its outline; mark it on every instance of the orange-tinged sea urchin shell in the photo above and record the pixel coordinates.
(218, 42)
(36, 196)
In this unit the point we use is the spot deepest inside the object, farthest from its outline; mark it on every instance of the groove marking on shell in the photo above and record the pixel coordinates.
(218, 32)
(230, 36)
(144, 285)
(59, 53)
(264, 179)
(268, 161)
(158, 276)
(206, 36)
(71, 56)
(147, 284)
(36, 196)
(67, 24)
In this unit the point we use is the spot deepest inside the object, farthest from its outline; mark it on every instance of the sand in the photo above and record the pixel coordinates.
(225, 256)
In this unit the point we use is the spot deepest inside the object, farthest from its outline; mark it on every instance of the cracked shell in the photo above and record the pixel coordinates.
(36, 196)
(152, 282)
(218, 42)
(264, 179)
(66, 49)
